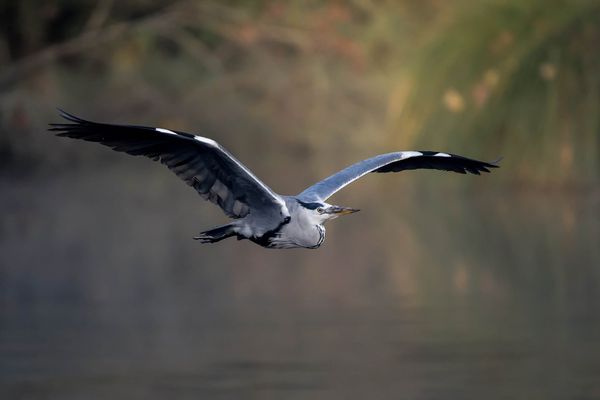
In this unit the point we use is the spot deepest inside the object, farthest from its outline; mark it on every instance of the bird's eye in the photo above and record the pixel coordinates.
(320, 210)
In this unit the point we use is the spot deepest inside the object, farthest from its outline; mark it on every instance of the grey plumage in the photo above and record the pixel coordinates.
(393, 162)
(259, 214)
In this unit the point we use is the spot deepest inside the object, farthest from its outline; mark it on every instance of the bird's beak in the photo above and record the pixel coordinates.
(342, 210)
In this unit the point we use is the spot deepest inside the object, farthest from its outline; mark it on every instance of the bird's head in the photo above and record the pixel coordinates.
(322, 212)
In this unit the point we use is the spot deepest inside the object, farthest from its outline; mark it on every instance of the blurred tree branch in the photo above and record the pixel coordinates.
(99, 15)
(196, 49)
(227, 22)
(92, 35)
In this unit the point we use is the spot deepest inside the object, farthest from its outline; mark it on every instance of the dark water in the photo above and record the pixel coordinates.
(436, 293)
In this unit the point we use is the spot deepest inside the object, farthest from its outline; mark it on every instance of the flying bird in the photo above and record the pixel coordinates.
(259, 214)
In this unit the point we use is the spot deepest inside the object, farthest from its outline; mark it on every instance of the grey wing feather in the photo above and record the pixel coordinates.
(201, 162)
(393, 162)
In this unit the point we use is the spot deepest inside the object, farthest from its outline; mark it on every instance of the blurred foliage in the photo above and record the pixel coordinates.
(518, 77)
(336, 79)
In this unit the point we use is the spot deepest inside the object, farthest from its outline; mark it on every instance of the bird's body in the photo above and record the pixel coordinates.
(260, 215)
(301, 229)
(298, 225)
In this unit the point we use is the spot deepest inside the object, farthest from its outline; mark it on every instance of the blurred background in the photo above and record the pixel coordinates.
(444, 286)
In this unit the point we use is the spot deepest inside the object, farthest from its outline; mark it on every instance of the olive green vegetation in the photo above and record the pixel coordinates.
(517, 78)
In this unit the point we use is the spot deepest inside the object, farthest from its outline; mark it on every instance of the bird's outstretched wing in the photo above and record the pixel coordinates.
(393, 162)
(201, 162)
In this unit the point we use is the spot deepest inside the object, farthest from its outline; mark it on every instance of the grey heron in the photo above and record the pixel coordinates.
(259, 214)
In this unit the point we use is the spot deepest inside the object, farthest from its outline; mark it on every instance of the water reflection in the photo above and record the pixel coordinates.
(426, 294)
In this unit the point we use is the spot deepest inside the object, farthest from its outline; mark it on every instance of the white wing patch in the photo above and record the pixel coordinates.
(442, 155)
(201, 139)
(207, 141)
(409, 154)
(161, 130)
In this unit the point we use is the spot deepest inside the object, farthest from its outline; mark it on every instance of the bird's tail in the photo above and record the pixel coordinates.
(216, 234)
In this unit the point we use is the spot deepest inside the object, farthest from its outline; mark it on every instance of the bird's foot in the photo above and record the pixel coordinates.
(216, 234)
(203, 238)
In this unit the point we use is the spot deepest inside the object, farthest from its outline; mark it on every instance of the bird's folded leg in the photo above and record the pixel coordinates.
(216, 234)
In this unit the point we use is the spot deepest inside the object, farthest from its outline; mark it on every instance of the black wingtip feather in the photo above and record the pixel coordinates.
(62, 127)
(69, 116)
(496, 162)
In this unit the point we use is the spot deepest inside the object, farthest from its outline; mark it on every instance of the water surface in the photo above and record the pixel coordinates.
(426, 294)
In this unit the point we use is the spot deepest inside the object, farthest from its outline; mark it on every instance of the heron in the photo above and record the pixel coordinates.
(259, 214)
